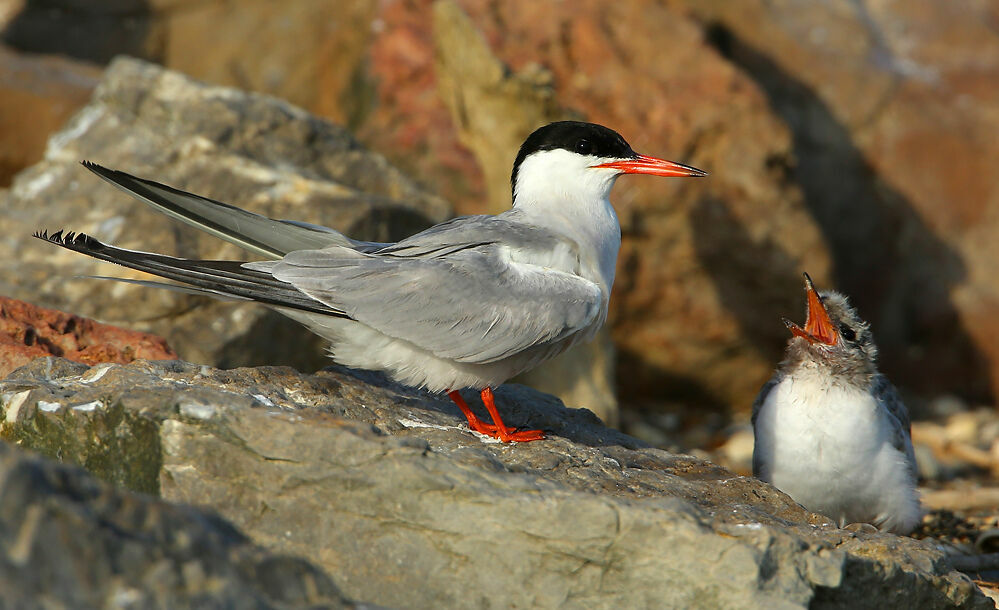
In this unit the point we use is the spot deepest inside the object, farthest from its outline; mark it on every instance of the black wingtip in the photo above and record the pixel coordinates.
(71, 240)
(98, 169)
(55, 238)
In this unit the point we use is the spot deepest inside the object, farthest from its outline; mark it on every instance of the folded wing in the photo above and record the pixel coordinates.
(468, 305)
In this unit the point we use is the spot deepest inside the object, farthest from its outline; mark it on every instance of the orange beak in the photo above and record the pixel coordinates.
(818, 327)
(650, 165)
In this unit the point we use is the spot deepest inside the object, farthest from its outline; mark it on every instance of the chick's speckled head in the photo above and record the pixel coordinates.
(833, 336)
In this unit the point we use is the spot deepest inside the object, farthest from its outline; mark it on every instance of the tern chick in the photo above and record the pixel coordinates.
(831, 431)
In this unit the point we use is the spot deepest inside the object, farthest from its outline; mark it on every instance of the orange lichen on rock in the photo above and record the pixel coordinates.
(28, 332)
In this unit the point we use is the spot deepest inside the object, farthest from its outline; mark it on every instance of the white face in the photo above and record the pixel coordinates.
(552, 175)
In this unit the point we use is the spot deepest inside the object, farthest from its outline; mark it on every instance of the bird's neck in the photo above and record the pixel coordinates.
(845, 369)
(589, 221)
(559, 191)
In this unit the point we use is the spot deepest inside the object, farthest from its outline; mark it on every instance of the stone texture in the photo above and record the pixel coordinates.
(707, 267)
(493, 111)
(28, 332)
(90, 31)
(492, 108)
(892, 113)
(386, 489)
(253, 151)
(304, 51)
(37, 95)
(71, 541)
(309, 52)
(851, 140)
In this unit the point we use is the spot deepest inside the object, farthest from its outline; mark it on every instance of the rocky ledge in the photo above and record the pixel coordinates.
(386, 491)
(70, 541)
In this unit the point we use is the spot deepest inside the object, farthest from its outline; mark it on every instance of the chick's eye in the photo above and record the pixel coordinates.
(847, 332)
(584, 147)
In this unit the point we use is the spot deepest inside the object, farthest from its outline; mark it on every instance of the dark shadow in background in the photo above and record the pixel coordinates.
(891, 265)
(89, 30)
(758, 282)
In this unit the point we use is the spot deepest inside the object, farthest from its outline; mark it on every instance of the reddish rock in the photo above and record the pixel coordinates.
(708, 266)
(894, 107)
(37, 95)
(851, 140)
(28, 332)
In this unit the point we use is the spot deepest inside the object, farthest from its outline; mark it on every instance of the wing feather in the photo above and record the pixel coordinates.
(253, 232)
(469, 304)
(888, 397)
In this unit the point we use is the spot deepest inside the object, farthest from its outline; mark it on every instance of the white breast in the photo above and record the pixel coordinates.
(560, 191)
(828, 446)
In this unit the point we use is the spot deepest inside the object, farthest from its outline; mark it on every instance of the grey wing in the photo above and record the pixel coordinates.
(509, 229)
(464, 301)
(466, 232)
(887, 396)
(761, 398)
(253, 232)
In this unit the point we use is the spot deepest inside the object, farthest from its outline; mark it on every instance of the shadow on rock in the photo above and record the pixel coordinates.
(93, 34)
(683, 390)
(520, 406)
(755, 281)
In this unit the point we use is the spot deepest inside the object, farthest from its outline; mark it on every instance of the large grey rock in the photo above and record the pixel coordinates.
(70, 541)
(387, 490)
(250, 150)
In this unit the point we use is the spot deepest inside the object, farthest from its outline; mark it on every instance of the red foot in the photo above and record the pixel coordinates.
(497, 429)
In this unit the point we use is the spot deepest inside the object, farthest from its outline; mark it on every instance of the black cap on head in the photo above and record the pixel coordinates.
(574, 136)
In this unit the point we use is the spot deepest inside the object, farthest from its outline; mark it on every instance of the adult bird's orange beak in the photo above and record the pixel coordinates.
(818, 327)
(643, 164)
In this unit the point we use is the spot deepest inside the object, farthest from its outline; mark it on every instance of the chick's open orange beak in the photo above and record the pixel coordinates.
(818, 327)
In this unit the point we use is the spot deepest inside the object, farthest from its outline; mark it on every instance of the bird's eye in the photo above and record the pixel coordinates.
(584, 147)
(847, 332)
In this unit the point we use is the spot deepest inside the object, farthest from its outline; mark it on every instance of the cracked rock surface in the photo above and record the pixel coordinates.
(385, 489)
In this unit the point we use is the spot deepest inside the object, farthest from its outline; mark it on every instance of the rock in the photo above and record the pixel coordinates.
(304, 52)
(803, 117)
(892, 119)
(71, 541)
(37, 95)
(692, 321)
(494, 111)
(28, 332)
(387, 490)
(93, 32)
(253, 151)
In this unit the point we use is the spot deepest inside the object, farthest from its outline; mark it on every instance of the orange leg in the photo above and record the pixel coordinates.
(497, 429)
(473, 420)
